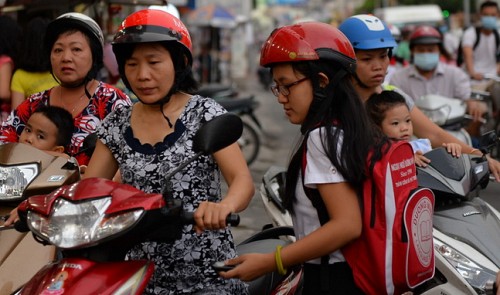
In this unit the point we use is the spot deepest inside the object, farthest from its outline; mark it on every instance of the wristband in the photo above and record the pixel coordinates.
(279, 263)
(473, 151)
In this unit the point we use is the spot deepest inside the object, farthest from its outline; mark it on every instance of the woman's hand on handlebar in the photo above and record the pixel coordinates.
(13, 217)
(211, 216)
(476, 109)
(477, 76)
(494, 166)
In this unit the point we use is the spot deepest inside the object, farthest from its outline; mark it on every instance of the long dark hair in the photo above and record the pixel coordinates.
(342, 115)
(10, 32)
(31, 58)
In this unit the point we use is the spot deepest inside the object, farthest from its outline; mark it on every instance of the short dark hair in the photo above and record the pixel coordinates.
(379, 103)
(63, 121)
(488, 3)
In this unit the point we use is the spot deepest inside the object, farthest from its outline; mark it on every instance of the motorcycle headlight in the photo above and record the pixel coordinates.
(476, 275)
(438, 116)
(76, 225)
(14, 179)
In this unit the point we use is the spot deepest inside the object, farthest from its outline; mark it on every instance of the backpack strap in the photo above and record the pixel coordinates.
(312, 194)
(478, 37)
(497, 41)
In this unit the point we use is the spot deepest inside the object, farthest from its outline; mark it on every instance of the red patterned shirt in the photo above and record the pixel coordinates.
(105, 99)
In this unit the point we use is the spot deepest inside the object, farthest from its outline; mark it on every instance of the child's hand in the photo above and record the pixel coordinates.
(453, 148)
(421, 160)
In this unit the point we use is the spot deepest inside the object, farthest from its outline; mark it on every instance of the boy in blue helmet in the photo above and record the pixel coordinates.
(372, 42)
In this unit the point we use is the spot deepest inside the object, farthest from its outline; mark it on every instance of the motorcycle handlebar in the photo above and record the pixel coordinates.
(232, 219)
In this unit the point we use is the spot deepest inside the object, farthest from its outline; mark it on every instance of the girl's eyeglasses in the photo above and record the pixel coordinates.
(285, 89)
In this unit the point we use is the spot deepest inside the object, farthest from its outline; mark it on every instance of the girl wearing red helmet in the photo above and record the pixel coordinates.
(373, 42)
(149, 139)
(312, 65)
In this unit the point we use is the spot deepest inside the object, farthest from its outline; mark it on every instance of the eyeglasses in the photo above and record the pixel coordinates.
(285, 89)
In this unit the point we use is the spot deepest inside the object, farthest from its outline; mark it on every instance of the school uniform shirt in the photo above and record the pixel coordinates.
(447, 80)
(319, 170)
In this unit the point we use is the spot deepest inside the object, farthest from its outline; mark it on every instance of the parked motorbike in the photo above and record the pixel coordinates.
(466, 228)
(243, 106)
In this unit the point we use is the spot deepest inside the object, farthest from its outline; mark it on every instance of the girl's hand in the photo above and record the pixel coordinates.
(453, 148)
(211, 216)
(250, 266)
(421, 160)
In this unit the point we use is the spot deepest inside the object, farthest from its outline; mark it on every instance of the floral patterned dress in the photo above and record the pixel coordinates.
(182, 267)
(105, 99)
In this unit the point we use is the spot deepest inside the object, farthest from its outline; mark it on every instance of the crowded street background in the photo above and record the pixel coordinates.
(227, 37)
(445, 50)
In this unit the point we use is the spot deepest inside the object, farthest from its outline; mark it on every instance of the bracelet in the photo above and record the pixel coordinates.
(279, 263)
(473, 151)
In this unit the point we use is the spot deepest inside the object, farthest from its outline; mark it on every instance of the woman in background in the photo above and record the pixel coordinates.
(10, 33)
(33, 68)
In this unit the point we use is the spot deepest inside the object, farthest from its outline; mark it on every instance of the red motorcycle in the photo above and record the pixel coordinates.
(94, 222)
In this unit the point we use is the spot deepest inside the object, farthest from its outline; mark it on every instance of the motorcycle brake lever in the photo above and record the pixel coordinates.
(8, 227)
(220, 266)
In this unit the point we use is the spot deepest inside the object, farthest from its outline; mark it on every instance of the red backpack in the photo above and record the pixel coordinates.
(395, 251)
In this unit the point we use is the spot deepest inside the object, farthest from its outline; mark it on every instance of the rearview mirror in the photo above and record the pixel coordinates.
(218, 133)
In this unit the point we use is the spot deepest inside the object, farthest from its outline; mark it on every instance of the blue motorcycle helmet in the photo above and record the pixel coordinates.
(367, 32)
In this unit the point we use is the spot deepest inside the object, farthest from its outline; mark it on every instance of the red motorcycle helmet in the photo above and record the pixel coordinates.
(152, 25)
(425, 35)
(308, 41)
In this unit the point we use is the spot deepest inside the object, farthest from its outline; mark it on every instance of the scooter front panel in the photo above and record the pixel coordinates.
(80, 276)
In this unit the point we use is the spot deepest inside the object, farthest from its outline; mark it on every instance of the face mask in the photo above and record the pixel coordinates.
(489, 22)
(426, 61)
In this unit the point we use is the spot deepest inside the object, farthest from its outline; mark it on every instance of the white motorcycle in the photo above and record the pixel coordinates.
(466, 228)
(448, 113)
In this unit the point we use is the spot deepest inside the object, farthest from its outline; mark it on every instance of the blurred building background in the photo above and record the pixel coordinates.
(227, 34)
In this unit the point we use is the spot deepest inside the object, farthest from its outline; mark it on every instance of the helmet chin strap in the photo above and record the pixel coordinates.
(161, 103)
(76, 84)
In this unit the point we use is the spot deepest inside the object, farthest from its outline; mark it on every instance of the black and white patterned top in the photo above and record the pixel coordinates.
(183, 267)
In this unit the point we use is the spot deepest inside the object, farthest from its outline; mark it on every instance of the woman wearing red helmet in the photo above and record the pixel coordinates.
(312, 65)
(149, 139)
